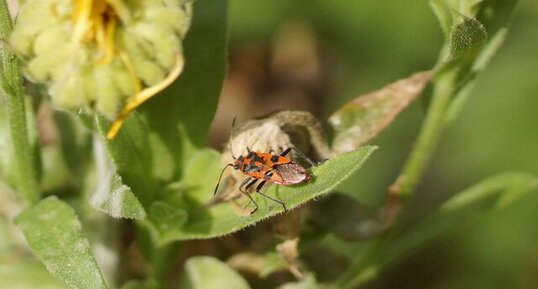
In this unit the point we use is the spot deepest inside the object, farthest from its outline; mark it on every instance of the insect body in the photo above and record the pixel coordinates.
(277, 169)
(269, 167)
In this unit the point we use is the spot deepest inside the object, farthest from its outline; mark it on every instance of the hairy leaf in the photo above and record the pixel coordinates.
(467, 36)
(54, 233)
(112, 196)
(116, 199)
(22, 274)
(209, 273)
(221, 219)
(131, 154)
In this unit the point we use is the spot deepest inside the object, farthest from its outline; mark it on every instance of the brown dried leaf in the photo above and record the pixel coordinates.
(289, 252)
(364, 117)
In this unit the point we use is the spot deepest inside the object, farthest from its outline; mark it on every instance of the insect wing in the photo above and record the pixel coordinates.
(289, 174)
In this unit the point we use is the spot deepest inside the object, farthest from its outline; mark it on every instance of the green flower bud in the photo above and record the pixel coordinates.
(107, 56)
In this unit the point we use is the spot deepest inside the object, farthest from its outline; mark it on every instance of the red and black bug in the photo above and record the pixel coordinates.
(267, 167)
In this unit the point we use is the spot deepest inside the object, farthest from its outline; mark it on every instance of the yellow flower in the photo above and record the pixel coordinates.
(104, 55)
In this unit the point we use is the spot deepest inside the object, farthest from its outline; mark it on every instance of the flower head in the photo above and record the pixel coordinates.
(107, 56)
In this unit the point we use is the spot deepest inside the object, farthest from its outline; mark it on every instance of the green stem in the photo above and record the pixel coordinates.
(162, 264)
(444, 87)
(429, 135)
(11, 84)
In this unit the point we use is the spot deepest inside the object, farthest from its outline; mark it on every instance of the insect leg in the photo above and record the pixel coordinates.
(285, 152)
(244, 191)
(258, 190)
(299, 153)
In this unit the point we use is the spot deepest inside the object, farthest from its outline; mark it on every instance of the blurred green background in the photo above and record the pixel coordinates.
(351, 47)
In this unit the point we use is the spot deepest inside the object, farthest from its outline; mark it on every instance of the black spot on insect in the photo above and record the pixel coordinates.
(253, 167)
(275, 158)
(254, 157)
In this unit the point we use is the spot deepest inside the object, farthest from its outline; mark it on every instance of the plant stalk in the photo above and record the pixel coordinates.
(11, 84)
(444, 88)
(163, 265)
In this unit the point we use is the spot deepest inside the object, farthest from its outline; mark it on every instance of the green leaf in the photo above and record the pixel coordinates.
(22, 274)
(210, 273)
(75, 141)
(131, 154)
(54, 233)
(488, 50)
(466, 37)
(489, 194)
(56, 174)
(116, 199)
(112, 196)
(166, 217)
(448, 11)
(309, 282)
(492, 193)
(171, 212)
(465, 53)
(345, 217)
(364, 117)
(443, 13)
(221, 219)
(154, 144)
(179, 118)
(133, 284)
(495, 14)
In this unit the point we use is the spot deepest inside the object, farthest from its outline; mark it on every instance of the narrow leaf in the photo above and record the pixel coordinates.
(180, 117)
(75, 141)
(221, 219)
(465, 205)
(54, 233)
(443, 13)
(210, 273)
(367, 115)
(495, 192)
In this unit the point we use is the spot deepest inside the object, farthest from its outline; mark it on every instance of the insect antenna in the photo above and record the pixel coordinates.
(232, 137)
(220, 177)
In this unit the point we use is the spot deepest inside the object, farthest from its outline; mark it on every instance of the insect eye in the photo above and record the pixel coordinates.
(236, 166)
